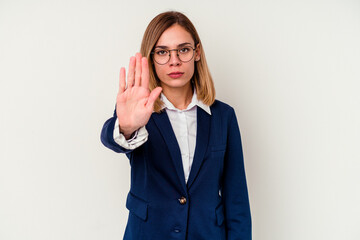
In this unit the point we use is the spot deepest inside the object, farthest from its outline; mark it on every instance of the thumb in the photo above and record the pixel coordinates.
(152, 98)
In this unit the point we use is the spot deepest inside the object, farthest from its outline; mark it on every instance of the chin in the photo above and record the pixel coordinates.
(176, 83)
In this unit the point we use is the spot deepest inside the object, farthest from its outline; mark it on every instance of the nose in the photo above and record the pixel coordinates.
(174, 58)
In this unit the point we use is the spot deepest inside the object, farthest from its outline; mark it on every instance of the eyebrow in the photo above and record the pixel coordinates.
(180, 45)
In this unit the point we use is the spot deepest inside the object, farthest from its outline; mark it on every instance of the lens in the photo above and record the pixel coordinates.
(161, 56)
(186, 54)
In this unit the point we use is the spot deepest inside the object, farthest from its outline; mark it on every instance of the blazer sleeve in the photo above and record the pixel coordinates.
(107, 137)
(234, 192)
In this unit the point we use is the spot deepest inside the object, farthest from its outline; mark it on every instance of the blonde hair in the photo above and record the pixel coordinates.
(201, 80)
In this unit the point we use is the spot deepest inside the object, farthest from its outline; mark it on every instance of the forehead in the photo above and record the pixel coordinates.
(173, 36)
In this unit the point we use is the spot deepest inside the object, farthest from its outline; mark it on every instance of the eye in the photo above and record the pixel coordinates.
(184, 50)
(161, 52)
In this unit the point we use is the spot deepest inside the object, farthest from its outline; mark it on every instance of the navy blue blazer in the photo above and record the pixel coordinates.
(213, 204)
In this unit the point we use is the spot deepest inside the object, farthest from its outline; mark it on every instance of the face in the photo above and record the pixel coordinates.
(176, 74)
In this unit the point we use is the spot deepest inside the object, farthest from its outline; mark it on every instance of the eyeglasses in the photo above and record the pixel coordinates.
(162, 56)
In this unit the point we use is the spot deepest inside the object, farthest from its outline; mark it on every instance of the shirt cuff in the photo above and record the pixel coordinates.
(139, 137)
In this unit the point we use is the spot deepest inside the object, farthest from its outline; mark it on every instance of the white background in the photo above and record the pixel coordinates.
(289, 68)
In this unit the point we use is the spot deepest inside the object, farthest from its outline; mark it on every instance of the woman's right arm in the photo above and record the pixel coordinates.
(134, 104)
(107, 136)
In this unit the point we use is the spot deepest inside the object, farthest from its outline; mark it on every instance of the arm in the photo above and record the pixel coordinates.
(136, 139)
(235, 194)
(117, 142)
(107, 136)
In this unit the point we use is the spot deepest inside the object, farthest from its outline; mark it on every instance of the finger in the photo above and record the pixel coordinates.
(122, 82)
(138, 70)
(131, 74)
(152, 98)
(145, 73)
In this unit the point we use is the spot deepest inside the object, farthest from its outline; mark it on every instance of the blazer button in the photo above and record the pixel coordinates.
(182, 200)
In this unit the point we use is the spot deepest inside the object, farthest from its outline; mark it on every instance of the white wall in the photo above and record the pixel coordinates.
(289, 68)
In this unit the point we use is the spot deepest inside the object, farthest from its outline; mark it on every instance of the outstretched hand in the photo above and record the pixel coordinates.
(135, 102)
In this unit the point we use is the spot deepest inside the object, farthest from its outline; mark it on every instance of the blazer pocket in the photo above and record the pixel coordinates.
(219, 212)
(218, 150)
(137, 206)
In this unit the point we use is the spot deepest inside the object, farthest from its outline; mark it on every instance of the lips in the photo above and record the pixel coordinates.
(176, 74)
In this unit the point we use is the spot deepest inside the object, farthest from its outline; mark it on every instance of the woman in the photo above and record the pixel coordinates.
(187, 171)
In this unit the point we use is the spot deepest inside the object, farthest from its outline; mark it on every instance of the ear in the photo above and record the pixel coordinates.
(197, 52)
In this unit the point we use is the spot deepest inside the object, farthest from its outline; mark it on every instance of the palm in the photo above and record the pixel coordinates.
(131, 106)
(134, 103)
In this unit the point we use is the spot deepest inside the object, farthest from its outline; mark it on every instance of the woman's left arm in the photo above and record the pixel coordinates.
(234, 192)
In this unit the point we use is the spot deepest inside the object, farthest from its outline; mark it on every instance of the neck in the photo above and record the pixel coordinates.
(179, 97)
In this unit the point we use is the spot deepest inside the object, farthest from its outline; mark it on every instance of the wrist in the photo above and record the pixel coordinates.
(128, 136)
(128, 133)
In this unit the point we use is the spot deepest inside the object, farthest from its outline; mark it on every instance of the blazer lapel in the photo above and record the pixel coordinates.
(163, 123)
(202, 140)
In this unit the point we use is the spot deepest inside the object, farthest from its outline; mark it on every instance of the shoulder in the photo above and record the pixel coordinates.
(224, 109)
